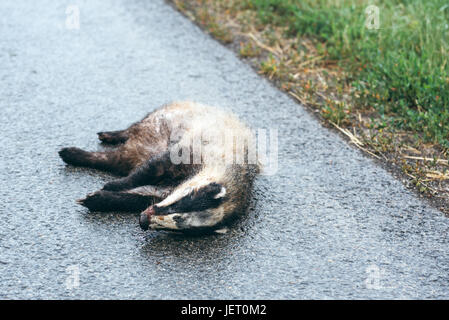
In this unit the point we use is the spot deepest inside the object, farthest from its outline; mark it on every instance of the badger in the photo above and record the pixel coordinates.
(185, 166)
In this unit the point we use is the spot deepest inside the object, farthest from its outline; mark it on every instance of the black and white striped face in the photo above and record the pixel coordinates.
(187, 208)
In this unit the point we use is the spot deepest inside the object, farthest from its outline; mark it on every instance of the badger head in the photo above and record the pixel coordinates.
(187, 208)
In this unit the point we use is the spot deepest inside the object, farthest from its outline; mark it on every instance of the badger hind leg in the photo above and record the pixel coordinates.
(80, 158)
(113, 137)
(110, 161)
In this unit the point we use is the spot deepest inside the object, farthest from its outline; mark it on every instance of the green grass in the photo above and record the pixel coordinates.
(400, 69)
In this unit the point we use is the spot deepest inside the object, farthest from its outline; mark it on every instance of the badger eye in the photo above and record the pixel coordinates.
(203, 198)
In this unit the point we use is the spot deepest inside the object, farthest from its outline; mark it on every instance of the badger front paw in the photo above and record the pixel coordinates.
(105, 201)
(96, 201)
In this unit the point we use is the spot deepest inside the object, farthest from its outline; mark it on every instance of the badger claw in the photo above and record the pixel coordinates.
(93, 201)
(82, 201)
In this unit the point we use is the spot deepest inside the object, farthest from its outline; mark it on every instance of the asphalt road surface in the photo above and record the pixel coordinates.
(329, 224)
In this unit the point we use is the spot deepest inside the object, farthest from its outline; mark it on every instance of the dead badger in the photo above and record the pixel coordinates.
(188, 166)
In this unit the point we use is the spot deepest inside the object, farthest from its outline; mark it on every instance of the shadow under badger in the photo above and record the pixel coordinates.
(176, 186)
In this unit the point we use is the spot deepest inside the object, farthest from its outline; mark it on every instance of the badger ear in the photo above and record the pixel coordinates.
(221, 194)
(214, 190)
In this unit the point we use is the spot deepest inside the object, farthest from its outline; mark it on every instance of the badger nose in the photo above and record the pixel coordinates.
(145, 216)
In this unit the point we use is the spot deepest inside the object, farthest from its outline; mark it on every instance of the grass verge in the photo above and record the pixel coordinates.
(378, 74)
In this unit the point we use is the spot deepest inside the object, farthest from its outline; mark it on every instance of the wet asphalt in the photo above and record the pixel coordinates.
(329, 224)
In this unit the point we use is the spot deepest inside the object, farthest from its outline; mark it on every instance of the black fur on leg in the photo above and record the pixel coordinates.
(113, 137)
(103, 201)
(154, 171)
(118, 185)
(75, 156)
(110, 161)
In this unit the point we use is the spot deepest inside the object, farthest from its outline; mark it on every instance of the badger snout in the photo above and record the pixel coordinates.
(145, 217)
